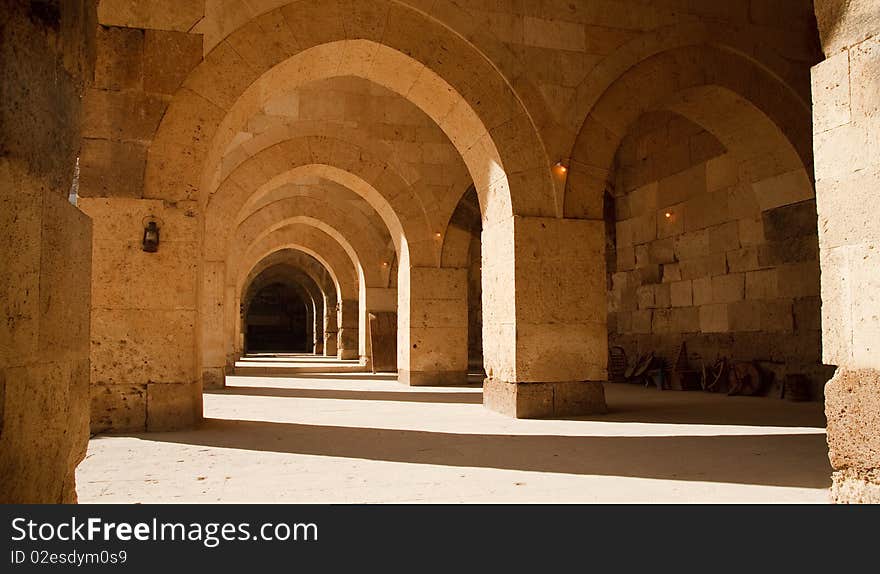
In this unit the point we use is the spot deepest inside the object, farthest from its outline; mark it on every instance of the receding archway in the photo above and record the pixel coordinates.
(276, 320)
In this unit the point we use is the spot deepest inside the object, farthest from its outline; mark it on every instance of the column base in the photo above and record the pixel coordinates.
(431, 378)
(851, 486)
(173, 406)
(852, 407)
(214, 378)
(544, 400)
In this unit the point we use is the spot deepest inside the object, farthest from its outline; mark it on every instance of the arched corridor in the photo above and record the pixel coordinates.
(394, 250)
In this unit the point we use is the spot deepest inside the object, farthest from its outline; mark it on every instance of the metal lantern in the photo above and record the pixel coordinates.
(151, 235)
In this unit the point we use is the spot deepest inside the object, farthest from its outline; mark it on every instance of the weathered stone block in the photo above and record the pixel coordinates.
(798, 280)
(661, 251)
(789, 221)
(641, 321)
(724, 237)
(831, 93)
(741, 260)
(118, 58)
(702, 291)
(745, 316)
(852, 407)
(681, 294)
(173, 406)
(722, 172)
(705, 210)
(751, 231)
(542, 400)
(864, 84)
(168, 58)
(681, 186)
(777, 316)
(118, 408)
(112, 169)
(728, 288)
(762, 284)
(714, 318)
(670, 272)
(121, 115)
(692, 245)
(662, 297)
(708, 266)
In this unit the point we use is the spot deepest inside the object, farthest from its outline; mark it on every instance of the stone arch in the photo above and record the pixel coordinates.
(708, 35)
(330, 254)
(463, 224)
(388, 43)
(451, 15)
(310, 273)
(363, 246)
(285, 276)
(693, 80)
(334, 160)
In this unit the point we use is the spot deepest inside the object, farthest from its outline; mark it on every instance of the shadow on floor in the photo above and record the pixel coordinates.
(632, 403)
(793, 460)
(402, 396)
(348, 376)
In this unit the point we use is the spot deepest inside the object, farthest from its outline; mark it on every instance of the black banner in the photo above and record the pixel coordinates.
(244, 537)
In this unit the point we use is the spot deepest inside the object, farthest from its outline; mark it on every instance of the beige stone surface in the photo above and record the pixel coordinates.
(44, 362)
(558, 176)
(365, 438)
(45, 258)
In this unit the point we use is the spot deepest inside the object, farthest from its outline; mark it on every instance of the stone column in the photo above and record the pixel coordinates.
(347, 336)
(846, 129)
(211, 325)
(330, 330)
(544, 317)
(318, 348)
(432, 326)
(373, 299)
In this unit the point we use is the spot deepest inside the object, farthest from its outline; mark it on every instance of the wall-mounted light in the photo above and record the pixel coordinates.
(151, 234)
(668, 214)
(384, 264)
(560, 169)
(437, 235)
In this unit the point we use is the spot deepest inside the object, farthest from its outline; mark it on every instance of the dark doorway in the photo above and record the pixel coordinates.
(276, 321)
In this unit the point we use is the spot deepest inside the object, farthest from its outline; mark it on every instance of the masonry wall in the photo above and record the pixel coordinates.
(45, 53)
(701, 254)
(143, 362)
(846, 132)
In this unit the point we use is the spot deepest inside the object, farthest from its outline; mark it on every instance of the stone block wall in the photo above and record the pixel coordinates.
(846, 132)
(143, 347)
(45, 52)
(705, 255)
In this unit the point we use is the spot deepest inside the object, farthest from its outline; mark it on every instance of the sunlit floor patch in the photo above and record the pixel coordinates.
(360, 437)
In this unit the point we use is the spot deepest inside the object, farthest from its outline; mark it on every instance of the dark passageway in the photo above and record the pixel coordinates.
(276, 320)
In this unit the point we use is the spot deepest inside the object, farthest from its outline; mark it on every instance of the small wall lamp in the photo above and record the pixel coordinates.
(151, 234)
(560, 169)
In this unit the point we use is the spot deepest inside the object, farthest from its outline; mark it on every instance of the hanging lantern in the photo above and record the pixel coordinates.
(151, 235)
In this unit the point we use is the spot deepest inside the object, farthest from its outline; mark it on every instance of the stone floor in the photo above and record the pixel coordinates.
(358, 437)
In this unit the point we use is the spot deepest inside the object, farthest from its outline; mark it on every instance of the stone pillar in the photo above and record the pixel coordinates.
(212, 332)
(432, 326)
(330, 330)
(145, 374)
(44, 343)
(544, 317)
(318, 348)
(46, 252)
(347, 336)
(846, 129)
(373, 300)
